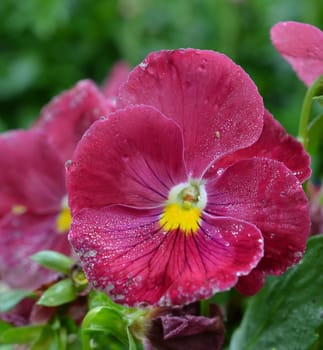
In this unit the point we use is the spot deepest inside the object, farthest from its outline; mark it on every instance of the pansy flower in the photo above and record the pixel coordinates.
(34, 214)
(301, 45)
(189, 187)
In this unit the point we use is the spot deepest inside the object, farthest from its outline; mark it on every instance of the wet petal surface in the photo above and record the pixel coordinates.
(265, 193)
(213, 100)
(133, 158)
(20, 237)
(126, 253)
(70, 114)
(274, 143)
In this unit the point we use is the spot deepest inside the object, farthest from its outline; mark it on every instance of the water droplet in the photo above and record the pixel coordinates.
(298, 255)
(217, 134)
(68, 163)
(143, 65)
(201, 68)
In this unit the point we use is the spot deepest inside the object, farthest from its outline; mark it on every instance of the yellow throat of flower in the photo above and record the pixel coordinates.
(184, 207)
(64, 218)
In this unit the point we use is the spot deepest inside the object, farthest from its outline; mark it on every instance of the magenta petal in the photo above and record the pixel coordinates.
(20, 237)
(273, 143)
(265, 193)
(69, 115)
(252, 283)
(31, 173)
(117, 76)
(211, 98)
(127, 254)
(301, 45)
(133, 158)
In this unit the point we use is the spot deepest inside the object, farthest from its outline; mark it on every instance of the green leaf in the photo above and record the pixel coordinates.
(107, 320)
(59, 293)
(288, 311)
(46, 340)
(315, 132)
(97, 298)
(10, 298)
(54, 261)
(21, 335)
(4, 326)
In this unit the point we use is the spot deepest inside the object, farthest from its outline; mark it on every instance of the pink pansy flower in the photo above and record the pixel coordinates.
(34, 214)
(301, 45)
(188, 187)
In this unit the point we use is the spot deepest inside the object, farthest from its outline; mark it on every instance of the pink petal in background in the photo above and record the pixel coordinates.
(301, 45)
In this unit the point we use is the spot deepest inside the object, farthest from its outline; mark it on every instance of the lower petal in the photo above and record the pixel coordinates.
(126, 253)
(22, 236)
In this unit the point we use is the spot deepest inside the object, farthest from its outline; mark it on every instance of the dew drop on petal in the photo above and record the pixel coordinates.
(143, 65)
(298, 255)
(201, 68)
(68, 163)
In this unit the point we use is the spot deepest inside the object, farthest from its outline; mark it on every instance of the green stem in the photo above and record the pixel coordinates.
(314, 90)
(205, 308)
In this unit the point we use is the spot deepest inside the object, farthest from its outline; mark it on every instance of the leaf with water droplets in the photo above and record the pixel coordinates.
(288, 312)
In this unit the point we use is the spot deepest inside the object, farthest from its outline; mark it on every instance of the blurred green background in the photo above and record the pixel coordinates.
(47, 46)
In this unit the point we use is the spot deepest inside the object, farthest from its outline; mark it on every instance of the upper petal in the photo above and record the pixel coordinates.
(69, 115)
(126, 253)
(212, 99)
(301, 45)
(274, 143)
(32, 174)
(133, 158)
(264, 192)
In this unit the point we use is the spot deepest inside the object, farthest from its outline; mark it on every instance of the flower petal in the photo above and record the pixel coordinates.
(20, 237)
(252, 283)
(126, 253)
(212, 99)
(69, 115)
(301, 45)
(273, 143)
(133, 158)
(31, 173)
(117, 76)
(264, 192)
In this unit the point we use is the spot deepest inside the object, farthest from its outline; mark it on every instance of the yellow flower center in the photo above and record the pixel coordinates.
(64, 218)
(18, 209)
(184, 207)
